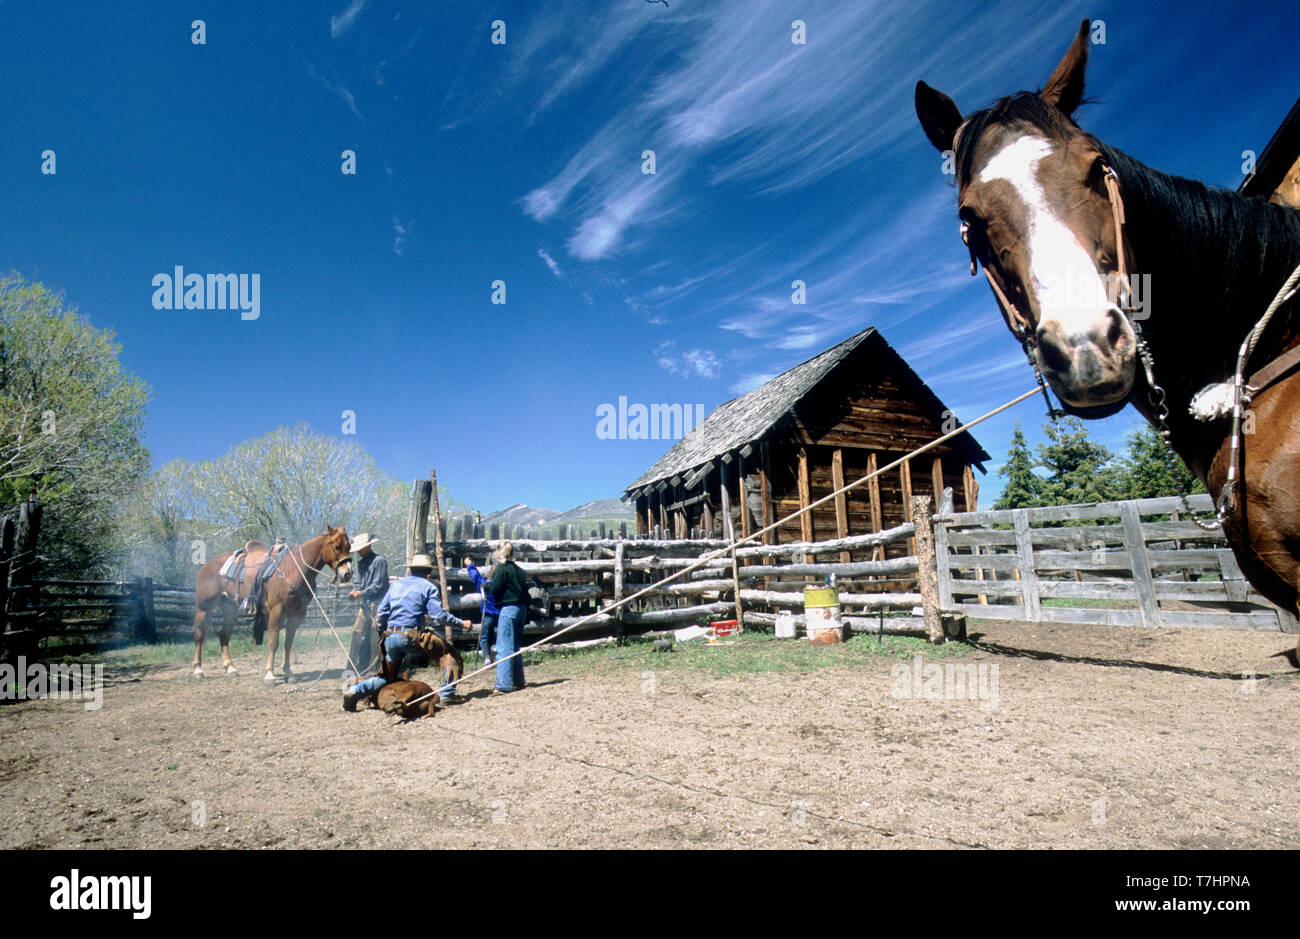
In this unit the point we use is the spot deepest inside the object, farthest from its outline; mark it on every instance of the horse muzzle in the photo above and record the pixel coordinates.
(1093, 372)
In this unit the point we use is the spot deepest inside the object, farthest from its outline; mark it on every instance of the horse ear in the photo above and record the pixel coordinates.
(1065, 88)
(939, 116)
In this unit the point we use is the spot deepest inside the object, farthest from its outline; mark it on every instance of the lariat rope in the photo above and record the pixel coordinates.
(1242, 393)
(733, 544)
(321, 606)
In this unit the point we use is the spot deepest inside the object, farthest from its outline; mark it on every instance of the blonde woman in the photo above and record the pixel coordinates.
(509, 588)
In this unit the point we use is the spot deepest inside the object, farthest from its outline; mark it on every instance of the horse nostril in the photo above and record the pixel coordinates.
(1054, 355)
(1116, 334)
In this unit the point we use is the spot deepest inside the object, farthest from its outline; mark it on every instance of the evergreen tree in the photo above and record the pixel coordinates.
(1078, 469)
(1023, 487)
(1147, 468)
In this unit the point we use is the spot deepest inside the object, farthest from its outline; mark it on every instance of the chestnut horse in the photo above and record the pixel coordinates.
(284, 600)
(1067, 228)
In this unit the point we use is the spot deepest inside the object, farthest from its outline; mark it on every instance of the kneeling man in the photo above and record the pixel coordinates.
(409, 604)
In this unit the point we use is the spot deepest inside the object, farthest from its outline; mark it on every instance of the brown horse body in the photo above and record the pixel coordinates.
(284, 599)
(1049, 209)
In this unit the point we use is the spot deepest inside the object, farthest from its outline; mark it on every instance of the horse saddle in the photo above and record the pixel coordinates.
(255, 556)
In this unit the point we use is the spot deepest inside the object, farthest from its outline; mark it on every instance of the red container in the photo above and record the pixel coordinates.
(725, 627)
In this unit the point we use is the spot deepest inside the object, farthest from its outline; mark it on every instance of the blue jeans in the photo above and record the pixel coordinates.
(396, 646)
(487, 635)
(510, 634)
(369, 686)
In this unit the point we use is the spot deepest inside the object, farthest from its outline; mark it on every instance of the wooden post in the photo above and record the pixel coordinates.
(1141, 561)
(7, 530)
(1026, 574)
(417, 520)
(729, 531)
(745, 528)
(970, 489)
(805, 497)
(437, 551)
(936, 478)
(148, 623)
(618, 591)
(873, 498)
(841, 501)
(927, 574)
(905, 479)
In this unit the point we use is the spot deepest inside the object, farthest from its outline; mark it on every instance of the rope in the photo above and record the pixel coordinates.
(321, 606)
(1242, 393)
(735, 543)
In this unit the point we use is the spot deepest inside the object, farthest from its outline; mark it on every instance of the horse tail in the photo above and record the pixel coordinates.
(259, 625)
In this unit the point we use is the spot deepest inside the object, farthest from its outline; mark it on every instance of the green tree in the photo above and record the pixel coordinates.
(70, 426)
(1151, 470)
(1077, 468)
(1023, 486)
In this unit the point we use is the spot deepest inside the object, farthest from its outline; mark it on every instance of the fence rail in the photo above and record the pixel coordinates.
(1139, 562)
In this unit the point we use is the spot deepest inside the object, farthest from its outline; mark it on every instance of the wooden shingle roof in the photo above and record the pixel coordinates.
(748, 418)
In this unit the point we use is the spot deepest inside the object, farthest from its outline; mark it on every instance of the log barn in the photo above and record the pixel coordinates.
(832, 419)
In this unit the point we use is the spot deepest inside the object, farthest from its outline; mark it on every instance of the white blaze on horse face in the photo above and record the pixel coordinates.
(1064, 279)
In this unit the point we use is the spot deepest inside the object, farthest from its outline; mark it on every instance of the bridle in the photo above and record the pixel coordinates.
(1022, 327)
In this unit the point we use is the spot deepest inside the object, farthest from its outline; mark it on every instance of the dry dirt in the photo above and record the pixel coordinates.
(1099, 738)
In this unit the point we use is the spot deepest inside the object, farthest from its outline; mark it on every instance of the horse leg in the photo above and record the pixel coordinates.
(229, 616)
(291, 624)
(272, 628)
(200, 633)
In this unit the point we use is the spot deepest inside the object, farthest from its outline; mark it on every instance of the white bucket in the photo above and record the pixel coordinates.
(785, 625)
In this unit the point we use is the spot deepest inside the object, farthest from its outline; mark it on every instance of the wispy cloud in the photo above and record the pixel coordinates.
(338, 88)
(697, 363)
(341, 22)
(747, 383)
(550, 262)
(400, 231)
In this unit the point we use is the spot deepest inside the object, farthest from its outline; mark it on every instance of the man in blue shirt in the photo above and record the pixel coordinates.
(487, 634)
(408, 605)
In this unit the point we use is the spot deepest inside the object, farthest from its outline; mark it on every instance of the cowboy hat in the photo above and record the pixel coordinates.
(420, 561)
(363, 540)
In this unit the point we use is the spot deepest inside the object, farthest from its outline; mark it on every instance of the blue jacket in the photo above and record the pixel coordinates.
(408, 601)
(490, 605)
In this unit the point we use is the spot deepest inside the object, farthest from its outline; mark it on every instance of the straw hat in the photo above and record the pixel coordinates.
(363, 540)
(420, 561)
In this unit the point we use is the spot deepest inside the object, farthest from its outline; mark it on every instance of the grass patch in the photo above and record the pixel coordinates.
(750, 653)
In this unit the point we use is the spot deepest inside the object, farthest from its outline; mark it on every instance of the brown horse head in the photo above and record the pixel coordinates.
(1033, 201)
(336, 551)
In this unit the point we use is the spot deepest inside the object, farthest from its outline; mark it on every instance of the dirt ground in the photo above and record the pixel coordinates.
(1098, 738)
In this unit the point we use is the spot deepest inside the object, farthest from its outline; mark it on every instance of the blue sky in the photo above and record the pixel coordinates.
(522, 163)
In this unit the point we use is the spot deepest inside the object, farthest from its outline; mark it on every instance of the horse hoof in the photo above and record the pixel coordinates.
(198, 671)
(230, 670)
(269, 676)
(288, 676)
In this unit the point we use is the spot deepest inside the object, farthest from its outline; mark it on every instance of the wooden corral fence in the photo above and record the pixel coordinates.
(577, 578)
(1132, 563)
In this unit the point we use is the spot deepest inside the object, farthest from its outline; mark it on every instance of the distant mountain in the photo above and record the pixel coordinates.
(522, 514)
(605, 509)
(611, 511)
